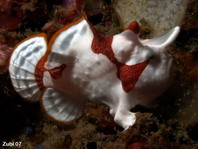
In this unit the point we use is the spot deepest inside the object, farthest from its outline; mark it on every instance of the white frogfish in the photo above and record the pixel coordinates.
(80, 64)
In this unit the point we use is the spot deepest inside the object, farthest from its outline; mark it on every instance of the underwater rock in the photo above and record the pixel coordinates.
(137, 143)
(5, 53)
(38, 146)
(5, 5)
(160, 16)
(10, 16)
(11, 19)
(28, 131)
(94, 10)
(71, 9)
(67, 12)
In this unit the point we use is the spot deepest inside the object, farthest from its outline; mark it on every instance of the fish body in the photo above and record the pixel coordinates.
(79, 64)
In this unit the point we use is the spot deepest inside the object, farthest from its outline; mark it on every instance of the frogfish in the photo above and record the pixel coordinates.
(79, 64)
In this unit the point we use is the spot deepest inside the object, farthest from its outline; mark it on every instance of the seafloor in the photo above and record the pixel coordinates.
(172, 124)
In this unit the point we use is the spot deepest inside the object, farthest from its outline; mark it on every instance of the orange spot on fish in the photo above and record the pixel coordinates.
(134, 26)
(56, 73)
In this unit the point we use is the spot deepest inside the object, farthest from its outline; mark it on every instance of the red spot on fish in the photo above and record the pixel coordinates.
(128, 74)
(56, 73)
(134, 26)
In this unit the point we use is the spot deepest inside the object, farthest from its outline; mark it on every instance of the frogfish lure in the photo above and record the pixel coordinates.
(79, 64)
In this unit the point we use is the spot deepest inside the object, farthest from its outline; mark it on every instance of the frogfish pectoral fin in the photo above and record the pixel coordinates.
(59, 107)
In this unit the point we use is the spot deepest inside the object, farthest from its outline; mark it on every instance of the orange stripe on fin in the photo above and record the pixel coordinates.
(63, 29)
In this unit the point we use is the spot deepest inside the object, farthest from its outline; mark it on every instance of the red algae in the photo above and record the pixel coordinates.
(10, 16)
(11, 19)
(5, 5)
